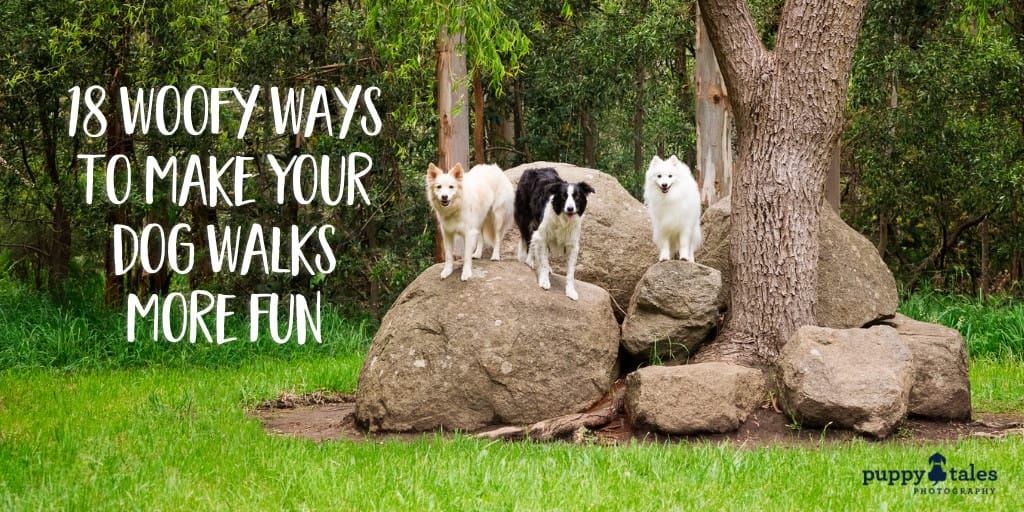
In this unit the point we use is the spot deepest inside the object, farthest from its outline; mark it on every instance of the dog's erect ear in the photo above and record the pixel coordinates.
(655, 161)
(433, 171)
(673, 160)
(456, 171)
(585, 188)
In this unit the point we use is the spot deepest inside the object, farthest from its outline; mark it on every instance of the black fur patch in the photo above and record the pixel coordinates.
(535, 187)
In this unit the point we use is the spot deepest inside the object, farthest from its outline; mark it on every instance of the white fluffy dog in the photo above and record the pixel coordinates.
(673, 202)
(470, 204)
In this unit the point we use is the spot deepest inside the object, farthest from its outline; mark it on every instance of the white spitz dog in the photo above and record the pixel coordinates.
(471, 204)
(673, 202)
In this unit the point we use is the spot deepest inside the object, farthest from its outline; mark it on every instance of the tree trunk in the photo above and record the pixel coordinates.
(640, 82)
(714, 143)
(118, 143)
(589, 137)
(833, 183)
(58, 262)
(501, 138)
(788, 107)
(985, 278)
(686, 97)
(202, 216)
(479, 156)
(883, 233)
(1015, 258)
(60, 249)
(452, 114)
(518, 122)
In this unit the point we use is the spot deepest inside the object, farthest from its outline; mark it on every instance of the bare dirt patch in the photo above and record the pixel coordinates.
(322, 416)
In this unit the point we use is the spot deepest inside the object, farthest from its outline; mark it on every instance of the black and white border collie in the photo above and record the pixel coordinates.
(549, 213)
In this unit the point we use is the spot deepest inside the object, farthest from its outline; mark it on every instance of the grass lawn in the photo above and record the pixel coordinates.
(178, 439)
(113, 432)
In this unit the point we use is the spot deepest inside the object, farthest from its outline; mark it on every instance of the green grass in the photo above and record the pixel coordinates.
(80, 333)
(997, 385)
(90, 422)
(177, 439)
(993, 327)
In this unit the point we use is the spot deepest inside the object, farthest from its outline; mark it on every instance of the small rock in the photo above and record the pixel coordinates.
(942, 384)
(694, 398)
(674, 309)
(850, 378)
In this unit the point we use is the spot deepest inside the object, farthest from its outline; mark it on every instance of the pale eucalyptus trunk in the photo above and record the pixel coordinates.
(452, 111)
(714, 141)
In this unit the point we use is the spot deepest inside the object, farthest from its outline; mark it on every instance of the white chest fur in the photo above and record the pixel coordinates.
(559, 232)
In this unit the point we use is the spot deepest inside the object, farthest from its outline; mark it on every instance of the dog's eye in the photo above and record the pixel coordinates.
(669, 176)
(438, 187)
(659, 176)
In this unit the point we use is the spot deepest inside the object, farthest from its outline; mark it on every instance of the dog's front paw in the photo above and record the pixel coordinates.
(664, 257)
(466, 273)
(544, 283)
(571, 293)
(446, 271)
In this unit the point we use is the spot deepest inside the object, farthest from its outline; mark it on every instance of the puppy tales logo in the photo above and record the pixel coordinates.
(937, 479)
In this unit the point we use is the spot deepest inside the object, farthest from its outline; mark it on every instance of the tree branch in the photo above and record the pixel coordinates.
(945, 247)
(809, 31)
(737, 47)
(27, 248)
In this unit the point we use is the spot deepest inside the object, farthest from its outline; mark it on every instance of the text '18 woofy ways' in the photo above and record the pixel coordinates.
(219, 181)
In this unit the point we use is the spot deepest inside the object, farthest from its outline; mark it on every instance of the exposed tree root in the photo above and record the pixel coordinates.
(566, 426)
(734, 347)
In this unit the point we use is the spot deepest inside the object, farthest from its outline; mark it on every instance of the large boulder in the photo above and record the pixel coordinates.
(616, 246)
(674, 309)
(694, 398)
(942, 385)
(854, 285)
(850, 378)
(494, 349)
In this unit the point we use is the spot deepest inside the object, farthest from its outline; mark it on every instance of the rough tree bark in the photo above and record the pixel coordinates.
(714, 143)
(118, 143)
(479, 156)
(452, 111)
(58, 261)
(833, 183)
(788, 108)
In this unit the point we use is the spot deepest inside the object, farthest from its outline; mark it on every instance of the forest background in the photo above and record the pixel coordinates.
(932, 153)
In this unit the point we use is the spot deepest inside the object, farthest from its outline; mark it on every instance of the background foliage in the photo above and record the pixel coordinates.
(933, 158)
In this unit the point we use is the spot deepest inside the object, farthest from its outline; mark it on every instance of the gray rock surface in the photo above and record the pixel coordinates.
(942, 384)
(851, 378)
(693, 398)
(494, 349)
(674, 309)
